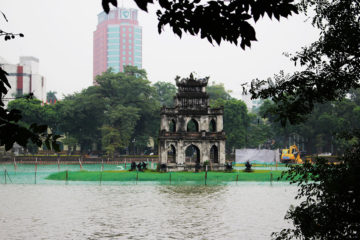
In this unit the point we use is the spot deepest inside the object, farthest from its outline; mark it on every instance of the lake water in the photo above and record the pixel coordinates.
(143, 211)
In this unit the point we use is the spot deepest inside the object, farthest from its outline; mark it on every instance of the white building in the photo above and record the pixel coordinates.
(24, 78)
(253, 105)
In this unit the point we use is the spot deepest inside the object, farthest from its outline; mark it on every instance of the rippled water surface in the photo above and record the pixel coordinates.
(243, 211)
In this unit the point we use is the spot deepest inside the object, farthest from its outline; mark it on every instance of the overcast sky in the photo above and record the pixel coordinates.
(60, 34)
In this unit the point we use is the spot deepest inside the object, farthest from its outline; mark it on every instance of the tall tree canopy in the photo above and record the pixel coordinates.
(236, 122)
(130, 106)
(217, 91)
(81, 115)
(321, 131)
(332, 63)
(165, 93)
(32, 112)
(120, 110)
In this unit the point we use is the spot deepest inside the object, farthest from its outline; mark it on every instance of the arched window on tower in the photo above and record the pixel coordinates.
(172, 126)
(171, 154)
(192, 126)
(214, 154)
(212, 126)
(192, 154)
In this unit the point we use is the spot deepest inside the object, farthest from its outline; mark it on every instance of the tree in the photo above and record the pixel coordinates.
(71, 142)
(242, 128)
(165, 93)
(31, 110)
(330, 196)
(259, 133)
(34, 112)
(321, 130)
(217, 91)
(130, 105)
(236, 123)
(51, 97)
(118, 129)
(215, 20)
(332, 63)
(81, 116)
(111, 139)
(329, 193)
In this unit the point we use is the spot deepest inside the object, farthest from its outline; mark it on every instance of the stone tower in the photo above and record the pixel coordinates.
(191, 131)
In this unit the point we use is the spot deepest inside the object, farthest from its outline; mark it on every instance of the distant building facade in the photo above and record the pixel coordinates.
(253, 105)
(24, 78)
(117, 41)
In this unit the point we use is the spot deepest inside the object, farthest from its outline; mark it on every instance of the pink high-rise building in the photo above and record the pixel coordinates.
(117, 41)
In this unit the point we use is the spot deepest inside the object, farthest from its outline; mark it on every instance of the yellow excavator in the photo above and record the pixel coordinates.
(291, 155)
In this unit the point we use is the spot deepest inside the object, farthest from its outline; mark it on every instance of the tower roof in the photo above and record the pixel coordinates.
(191, 81)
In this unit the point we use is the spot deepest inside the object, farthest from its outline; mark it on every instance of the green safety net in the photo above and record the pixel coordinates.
(120, 174)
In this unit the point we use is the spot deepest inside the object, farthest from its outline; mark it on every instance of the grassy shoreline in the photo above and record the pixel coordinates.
(125, 176)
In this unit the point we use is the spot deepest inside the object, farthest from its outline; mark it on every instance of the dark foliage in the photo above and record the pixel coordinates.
(330, 197)
(106, 4)
(332, 63)
(323, 128)
(215, 20)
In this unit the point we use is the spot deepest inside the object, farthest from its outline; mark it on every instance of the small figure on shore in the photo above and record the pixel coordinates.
(144, 166)
(248, 166)
(228, 167)
(139, 167)
(133, 166)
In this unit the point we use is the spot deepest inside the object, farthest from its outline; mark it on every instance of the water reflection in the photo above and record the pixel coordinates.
(192, 211)
(190, 190)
